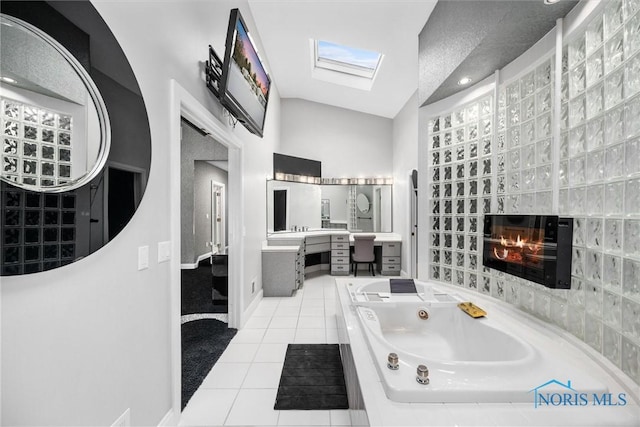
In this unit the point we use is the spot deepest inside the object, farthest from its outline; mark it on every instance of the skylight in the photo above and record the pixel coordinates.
(346, 59)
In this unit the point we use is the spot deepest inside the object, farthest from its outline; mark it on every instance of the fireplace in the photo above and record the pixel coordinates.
(534, 247)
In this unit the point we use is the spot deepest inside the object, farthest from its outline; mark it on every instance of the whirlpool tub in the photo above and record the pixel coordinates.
(486, 359)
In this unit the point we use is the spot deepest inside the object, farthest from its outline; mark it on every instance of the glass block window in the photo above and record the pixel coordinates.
(38, 230)
(36, 144)
(460, 188)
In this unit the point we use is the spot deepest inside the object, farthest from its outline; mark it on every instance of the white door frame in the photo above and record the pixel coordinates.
(183, 104)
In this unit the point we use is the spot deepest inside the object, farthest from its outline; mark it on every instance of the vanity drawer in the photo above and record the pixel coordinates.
(317, 248)
(317, 240)
(340, 238)
(390, 260)
(390, 268)
(339, 260)
(340, 269)
(340, 245)
(391, 248)
(340, 252)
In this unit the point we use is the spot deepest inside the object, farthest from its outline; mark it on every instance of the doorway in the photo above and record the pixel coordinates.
(183, 104)
(280, 209)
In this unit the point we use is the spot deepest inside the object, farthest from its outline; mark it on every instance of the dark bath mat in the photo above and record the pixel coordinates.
(203, 342)
(312, 378)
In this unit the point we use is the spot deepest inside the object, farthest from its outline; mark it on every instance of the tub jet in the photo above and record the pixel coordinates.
(392, 361)
(422, 374)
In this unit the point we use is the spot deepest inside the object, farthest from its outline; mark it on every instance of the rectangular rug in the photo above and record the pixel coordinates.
(312, 378)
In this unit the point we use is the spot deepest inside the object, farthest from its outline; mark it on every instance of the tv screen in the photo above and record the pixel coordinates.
(245, 83)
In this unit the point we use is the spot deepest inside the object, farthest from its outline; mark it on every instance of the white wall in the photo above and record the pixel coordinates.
(83, 343)
(405, 159)
(348, 143)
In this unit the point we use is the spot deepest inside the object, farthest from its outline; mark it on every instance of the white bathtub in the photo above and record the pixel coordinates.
(469, 360)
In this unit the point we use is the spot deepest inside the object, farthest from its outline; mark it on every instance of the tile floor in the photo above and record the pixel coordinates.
(241, 388)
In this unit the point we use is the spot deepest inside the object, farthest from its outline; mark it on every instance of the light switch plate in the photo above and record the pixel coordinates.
(143, 257)
(164, 251)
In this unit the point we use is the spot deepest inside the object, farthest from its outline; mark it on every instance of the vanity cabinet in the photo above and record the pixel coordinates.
(340, 255)
(282, 269)
(391, 252)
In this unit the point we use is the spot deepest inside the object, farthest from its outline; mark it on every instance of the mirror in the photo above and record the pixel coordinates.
(49, 227)
(362, 203)
(55, 126)
(357, 208)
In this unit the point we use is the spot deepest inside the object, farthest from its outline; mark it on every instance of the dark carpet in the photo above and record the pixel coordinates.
(203, 341)
(197, 287)
(312, 378)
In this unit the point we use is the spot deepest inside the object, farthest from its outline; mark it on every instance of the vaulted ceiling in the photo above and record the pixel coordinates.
(425, 43)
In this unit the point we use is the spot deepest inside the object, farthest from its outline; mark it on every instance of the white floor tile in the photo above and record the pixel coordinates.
(263, 375)
(304, 418)
(311, 311)
(340, 417)
(279, 336)
(332, 336)
(271, 352)
(254, 407)
(291, 302)
(310, 336)
(257, 322)
(331, 322)
(287, 311)
(311, 322)
(239, 353)
(226, 375)
(248, 336)
(312, 303)
(208, 407)
(265, 311)
(283, 323)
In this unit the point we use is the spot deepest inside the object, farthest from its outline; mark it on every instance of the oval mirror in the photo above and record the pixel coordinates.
(49, 225)
(54, 123)
(362, 202)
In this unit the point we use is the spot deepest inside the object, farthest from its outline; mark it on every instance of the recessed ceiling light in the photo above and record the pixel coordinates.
(7, 79)
(464, 81)
(551, 1)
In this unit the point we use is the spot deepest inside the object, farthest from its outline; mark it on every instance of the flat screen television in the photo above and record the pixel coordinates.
(245, 84)
(535, 247)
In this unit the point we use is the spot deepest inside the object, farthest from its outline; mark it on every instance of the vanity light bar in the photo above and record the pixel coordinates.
(279, 176)
(358, 181)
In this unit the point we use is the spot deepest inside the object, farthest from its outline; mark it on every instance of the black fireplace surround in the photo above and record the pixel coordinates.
(533, 247)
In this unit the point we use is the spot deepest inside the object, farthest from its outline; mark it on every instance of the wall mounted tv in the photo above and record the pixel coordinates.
(534, 247)
(244, 88)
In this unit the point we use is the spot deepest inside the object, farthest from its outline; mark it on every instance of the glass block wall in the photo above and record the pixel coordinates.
(39, 230)
(36, 144)
(598, 183)
(460, 186)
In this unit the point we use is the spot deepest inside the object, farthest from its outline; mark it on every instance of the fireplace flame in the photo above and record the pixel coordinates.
(505, 253)
(516, 250)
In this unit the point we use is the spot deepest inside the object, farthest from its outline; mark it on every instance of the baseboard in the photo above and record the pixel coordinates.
(252, 307)
(193, 266)
(168, 420)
